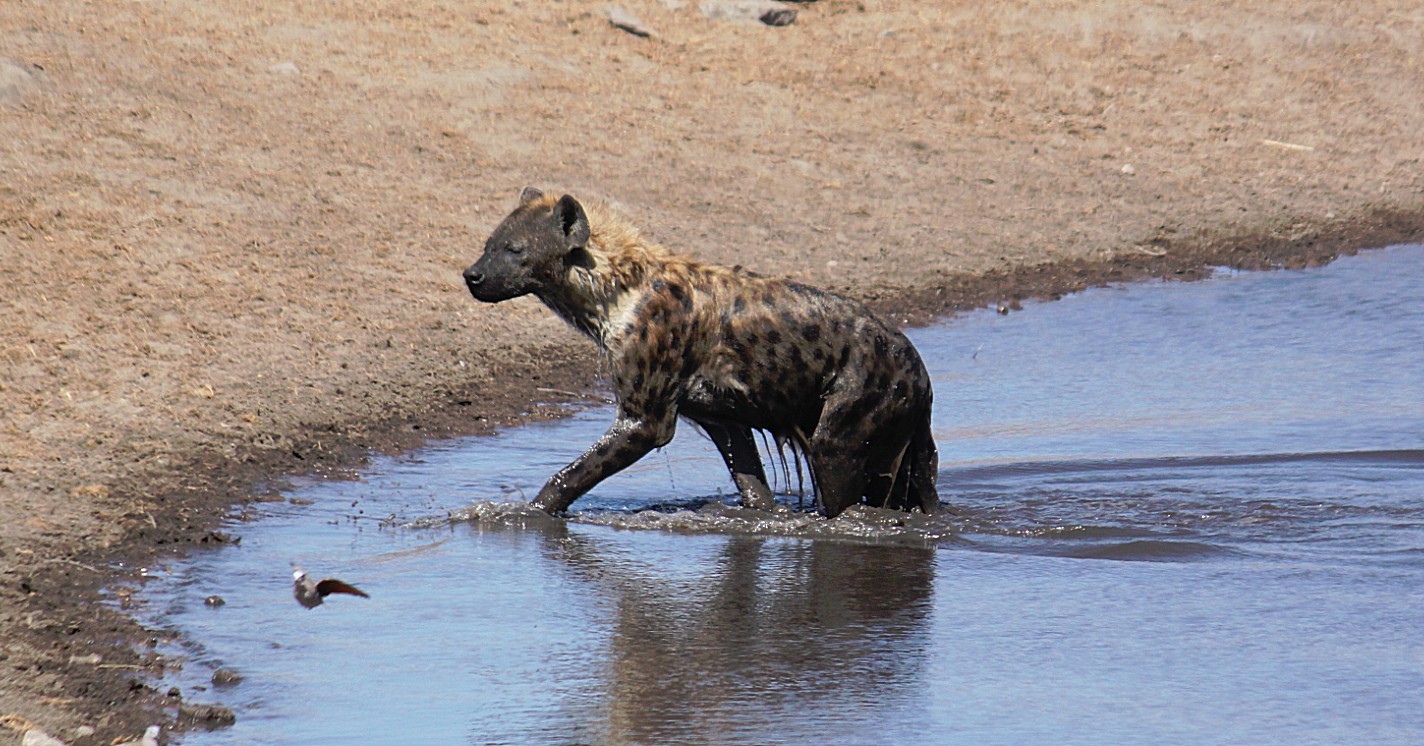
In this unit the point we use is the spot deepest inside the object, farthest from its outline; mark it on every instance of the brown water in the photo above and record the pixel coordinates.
(1248, 449)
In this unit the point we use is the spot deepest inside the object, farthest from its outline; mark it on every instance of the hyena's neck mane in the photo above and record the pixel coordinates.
(599, 290)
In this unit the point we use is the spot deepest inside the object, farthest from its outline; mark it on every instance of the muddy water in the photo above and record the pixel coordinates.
(1188, 513)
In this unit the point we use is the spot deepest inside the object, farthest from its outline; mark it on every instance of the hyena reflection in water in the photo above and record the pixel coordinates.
(726, 348)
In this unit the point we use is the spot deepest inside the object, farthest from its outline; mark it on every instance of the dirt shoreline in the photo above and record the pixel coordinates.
(233, 235)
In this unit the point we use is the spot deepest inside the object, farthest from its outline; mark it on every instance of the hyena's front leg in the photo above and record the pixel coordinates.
(629, 439)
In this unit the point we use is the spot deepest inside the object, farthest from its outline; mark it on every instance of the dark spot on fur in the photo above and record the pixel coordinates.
(773, 337)
(739, 305)
(856, 411)
(745, 354)
(601, 450)
(812, 332)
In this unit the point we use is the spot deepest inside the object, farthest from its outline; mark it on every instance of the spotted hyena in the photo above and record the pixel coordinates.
(725, 348)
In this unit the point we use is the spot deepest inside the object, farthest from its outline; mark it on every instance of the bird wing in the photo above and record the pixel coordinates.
(332, 585)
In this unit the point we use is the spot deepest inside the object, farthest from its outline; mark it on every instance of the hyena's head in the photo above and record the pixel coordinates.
(532, 249)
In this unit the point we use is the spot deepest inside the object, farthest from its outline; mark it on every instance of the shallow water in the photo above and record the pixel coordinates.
(1248, 449)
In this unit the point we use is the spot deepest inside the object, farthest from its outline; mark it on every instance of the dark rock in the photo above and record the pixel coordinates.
(778, 17)
(622, 19)
(206, 716)
(746, 10)
(226, 677)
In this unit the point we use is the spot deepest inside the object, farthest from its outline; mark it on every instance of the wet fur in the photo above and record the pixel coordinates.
(728, 349)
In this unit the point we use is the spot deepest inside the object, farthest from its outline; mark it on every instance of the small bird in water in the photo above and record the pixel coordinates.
(311, 593)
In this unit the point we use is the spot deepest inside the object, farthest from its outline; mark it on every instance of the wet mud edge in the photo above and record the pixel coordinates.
(201, 489)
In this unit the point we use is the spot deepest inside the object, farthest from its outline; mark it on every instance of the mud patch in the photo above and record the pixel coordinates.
(859, 524)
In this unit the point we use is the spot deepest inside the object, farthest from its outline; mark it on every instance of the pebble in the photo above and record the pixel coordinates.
(214, 601)
(1128, 169)
(779, 17)
(766, 11)
(37, 737)
(226, 677)
(620, 18)
(285, 68)
(206, 716)
(149, 737)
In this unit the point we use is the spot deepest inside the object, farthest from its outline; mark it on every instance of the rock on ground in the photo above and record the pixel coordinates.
(748, 10)
(620, 18)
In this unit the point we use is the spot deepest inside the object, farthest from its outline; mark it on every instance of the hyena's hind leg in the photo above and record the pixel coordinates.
(838, 473)
(837, 448)
(739, 451)
(907, 481)
(922, 467)
(887, 481)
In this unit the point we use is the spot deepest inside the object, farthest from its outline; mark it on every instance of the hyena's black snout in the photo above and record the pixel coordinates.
(473, 278)
(492, 281)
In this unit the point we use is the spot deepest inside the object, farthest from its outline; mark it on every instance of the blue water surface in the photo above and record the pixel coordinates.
(1184, 513)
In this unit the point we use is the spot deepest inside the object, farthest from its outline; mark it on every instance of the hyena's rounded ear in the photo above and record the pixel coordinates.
(530, 194)
(572, 221)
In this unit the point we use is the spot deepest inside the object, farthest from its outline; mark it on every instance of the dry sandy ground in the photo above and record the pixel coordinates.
(232, 232)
